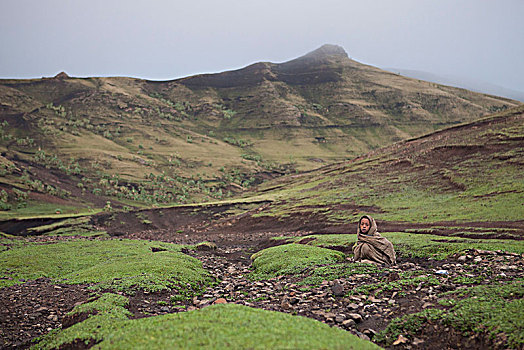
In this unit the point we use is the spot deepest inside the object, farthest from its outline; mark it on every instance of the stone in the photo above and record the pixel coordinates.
(417, 341)
(204, 302)
(220, 301)
(340, 318)
(349, 323)
(374, 300)
(462, 258)
(394, 276)
(337, 289)
(363, 336)
(328, 315)
(369, 332)
(400, 340)
(355, 317)
(285, 304)
(352, 306)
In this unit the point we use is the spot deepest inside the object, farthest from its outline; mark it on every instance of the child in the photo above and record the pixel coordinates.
(371, 245)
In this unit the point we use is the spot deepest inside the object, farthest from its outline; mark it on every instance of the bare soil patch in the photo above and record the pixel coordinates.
(34, 308)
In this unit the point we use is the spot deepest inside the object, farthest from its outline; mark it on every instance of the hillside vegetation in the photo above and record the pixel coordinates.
(471, 172)
(74, 145)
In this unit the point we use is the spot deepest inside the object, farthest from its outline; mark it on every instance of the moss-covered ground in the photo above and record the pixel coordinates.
(124, 265)
(290, 259)
(214, 327)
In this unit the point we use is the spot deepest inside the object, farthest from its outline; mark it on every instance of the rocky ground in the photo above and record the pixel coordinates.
(361, 314)
(35, 307)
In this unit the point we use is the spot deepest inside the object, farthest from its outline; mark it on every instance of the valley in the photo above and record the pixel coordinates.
(220, 211)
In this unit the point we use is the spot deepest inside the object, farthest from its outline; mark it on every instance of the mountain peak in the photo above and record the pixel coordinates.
(61, 75)
(326, 51)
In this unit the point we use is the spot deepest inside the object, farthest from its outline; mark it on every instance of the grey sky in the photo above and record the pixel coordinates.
(480, 39)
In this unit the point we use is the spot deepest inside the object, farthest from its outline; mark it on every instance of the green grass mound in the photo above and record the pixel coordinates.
(217, 327)
(418, 245)
(290, 259)
(493, 310)
(104, 315)
(123, 265)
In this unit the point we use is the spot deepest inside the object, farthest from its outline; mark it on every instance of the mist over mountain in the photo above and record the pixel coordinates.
(463, 82)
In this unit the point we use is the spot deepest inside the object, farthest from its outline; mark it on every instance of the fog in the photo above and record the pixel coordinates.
(162, 40)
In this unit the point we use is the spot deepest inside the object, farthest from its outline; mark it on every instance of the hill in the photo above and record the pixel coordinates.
(450, 202)
(70, 143)
(465, 179)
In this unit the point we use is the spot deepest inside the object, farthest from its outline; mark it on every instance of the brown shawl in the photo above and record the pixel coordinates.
(373, 246)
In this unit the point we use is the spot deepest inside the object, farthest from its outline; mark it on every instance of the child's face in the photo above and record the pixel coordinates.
(364, 225)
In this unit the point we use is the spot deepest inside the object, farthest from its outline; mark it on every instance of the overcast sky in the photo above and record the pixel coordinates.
(163, 40)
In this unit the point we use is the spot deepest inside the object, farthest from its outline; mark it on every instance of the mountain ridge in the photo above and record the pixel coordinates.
(210, 135)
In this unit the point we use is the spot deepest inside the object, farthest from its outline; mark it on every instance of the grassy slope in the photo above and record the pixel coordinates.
(207, 138)
(467, 173)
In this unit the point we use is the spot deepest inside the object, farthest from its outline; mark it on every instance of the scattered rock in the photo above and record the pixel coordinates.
(369, 332)
(374, 300)
(337, 289)
(220, 301)
(349, 323)
(355, 317)
(400, 340)
(394, 276)
(362, 336)
(417, 341)
(352, 306)
(340, 318)
(285, 304)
